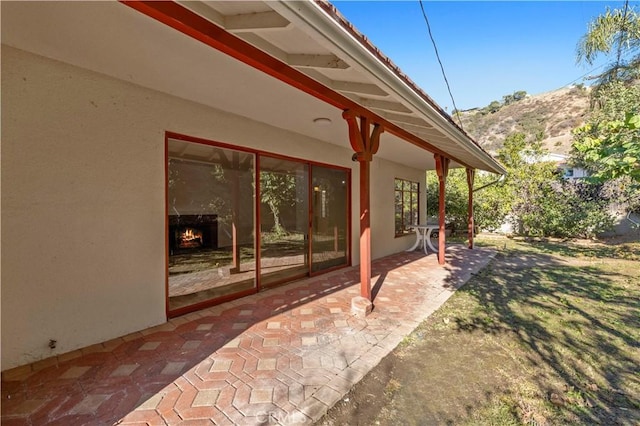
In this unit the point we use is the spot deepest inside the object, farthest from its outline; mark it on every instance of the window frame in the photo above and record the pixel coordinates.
(400, 189)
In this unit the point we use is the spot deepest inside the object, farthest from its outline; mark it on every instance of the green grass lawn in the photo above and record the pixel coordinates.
(568, 314)
(547, 334)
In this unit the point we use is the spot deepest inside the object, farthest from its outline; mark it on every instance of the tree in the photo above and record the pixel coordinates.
(539, 202)
(614, 150)
(527, 183)
(532, 196)
(278, 191)
(514, 97)
(508, 99)
(494, 106)
(456, 193)
(489, 207)
(573, 208)
(608, 145)
(519, 95)
(616, 32)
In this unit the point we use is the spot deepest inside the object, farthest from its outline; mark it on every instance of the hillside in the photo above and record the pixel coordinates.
(551, 115)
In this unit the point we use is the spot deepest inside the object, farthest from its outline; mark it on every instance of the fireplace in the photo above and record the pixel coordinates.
(188, 233)
(189, 238)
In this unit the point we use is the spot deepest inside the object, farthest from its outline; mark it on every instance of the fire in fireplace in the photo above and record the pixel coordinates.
(189, 238)
(189, 233)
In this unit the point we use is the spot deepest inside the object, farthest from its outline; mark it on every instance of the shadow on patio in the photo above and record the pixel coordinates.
(286, 354)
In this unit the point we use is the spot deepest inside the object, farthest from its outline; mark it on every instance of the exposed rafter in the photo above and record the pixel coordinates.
(350, 89)
(299, 61)
(430, 131)
(317, 61)
(353, 47)
(264, 45)
(384, 105)
(360, 88)
(316, 75)
(269, 32)
(200, 28)
(255, 22)
(204, 10)
(405, 119)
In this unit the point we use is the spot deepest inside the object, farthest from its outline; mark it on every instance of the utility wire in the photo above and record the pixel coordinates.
(585, 75)
(424, 14)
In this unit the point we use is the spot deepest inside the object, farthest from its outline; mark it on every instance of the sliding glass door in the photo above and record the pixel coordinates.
(284, 220)
(329, 207)
(211, 199)
(224, 202)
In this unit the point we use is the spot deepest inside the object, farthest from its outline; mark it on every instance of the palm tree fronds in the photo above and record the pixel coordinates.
(613, 31)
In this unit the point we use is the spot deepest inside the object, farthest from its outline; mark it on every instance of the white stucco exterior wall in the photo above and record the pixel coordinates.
(83, 173)
(383, 174)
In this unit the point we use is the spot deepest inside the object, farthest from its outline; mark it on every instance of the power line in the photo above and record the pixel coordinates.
(585, 74)
(424, 14)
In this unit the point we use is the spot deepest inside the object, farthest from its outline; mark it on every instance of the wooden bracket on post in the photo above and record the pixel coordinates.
(442, 169)
(471, 174)
(365, 145)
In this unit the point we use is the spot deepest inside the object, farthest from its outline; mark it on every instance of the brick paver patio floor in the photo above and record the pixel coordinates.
(283, 356)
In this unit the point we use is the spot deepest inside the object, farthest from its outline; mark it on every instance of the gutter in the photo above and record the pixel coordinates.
(316, 17)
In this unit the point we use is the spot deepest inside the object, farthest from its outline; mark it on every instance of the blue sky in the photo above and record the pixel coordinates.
(489, 49)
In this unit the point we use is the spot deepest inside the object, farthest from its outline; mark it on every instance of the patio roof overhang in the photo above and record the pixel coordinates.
(307, 46)
(424, 119)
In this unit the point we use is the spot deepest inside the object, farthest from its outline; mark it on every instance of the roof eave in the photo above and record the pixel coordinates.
(316, 16)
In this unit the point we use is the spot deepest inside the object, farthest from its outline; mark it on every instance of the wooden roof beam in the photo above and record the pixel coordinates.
(255, 22)
(317, 61)
(199, 28)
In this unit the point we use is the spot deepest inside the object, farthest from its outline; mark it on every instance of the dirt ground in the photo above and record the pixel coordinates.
(546, 334)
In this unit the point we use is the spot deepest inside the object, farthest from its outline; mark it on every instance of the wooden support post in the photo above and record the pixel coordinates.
(232, 169)
(235, 218)
(365, 146)
(471, 173)
(365, 230)
(442, 169)
(235, 214)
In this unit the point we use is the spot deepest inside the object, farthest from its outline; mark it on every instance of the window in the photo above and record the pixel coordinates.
(406, 205)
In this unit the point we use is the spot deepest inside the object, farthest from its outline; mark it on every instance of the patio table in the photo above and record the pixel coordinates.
(423, 234)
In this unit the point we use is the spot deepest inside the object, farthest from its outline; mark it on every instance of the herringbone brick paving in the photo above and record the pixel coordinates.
(283, 356)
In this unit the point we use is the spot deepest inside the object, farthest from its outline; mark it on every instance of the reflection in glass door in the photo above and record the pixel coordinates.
(329, 218)
(211, 218)
(284, 220)
(222, 200)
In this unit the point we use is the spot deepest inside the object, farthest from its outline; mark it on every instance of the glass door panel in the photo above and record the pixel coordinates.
(211, 222)
(284, 220)
(329, 218)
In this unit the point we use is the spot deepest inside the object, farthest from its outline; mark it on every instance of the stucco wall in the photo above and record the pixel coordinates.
(383, 174)
(83, 200)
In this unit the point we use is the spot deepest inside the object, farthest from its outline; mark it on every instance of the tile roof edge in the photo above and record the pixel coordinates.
(335, 14)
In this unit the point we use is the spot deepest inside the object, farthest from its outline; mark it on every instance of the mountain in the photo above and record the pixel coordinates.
(550, 115)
